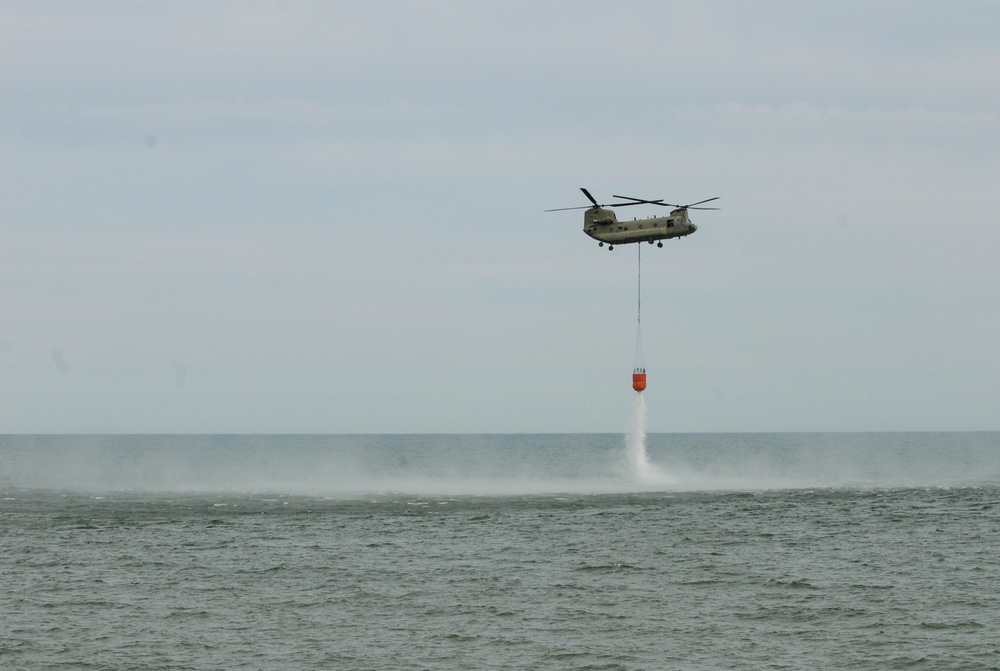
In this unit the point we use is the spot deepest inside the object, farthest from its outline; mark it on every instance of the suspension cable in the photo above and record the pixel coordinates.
(638, 317)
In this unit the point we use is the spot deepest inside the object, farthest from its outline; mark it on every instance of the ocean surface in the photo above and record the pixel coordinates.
(382, 552)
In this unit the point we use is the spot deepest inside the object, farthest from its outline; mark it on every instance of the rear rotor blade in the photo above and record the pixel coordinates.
(692, 206)
(707, 200)
(560, 209)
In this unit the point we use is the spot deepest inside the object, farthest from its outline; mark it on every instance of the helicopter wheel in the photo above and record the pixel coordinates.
(610, 247)
(659, 244)
(600, 244)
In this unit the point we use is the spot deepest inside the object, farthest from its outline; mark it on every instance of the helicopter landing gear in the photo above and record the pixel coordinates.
(659, 244)
(610, 247)
(600, 244)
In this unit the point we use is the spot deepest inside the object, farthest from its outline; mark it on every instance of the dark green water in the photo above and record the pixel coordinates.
(871, 551)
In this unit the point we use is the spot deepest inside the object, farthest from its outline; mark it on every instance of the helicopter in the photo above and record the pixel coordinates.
(603, 225)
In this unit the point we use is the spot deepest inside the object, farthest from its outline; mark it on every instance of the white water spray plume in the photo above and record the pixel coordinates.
(641, 470)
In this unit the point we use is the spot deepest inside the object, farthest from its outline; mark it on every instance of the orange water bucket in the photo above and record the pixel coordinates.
(639, 379)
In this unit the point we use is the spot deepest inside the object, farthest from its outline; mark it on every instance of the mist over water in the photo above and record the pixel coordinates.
(497, 465)
(612, 551)
(557, 551)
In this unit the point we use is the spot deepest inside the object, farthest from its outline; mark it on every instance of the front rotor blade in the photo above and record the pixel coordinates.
(589, 197)
(640, 201)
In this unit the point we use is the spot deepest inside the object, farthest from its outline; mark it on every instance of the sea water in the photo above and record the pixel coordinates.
(711, 551)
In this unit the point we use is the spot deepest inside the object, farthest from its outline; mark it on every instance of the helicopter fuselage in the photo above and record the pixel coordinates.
(602, 224)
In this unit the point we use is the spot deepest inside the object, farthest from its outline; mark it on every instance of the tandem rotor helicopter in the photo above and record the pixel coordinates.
(603, 225)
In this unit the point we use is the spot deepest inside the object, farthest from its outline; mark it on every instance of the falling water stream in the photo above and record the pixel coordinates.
(641, 470)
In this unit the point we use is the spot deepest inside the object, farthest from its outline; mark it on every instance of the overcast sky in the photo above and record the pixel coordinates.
(328, 216)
